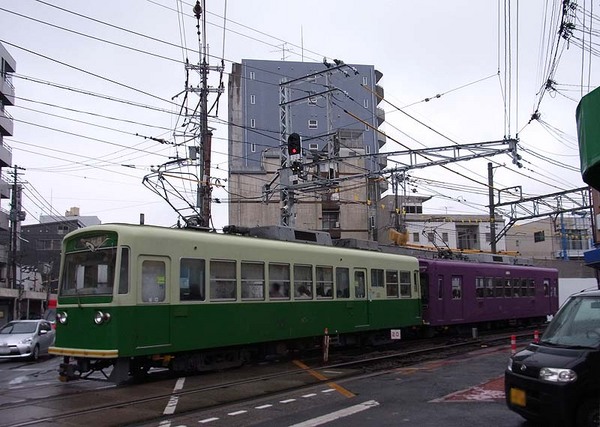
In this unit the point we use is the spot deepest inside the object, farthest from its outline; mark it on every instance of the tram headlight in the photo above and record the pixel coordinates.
(100, 317)
(61, 317)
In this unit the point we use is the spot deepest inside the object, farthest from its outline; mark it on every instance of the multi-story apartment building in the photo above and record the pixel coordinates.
(558, 237)
(334, 109)
(8, 294)
(463, 232)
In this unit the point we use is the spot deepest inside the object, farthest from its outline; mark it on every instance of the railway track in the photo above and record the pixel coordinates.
(146, 403)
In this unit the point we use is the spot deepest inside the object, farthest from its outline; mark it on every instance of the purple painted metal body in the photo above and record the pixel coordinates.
(472, 293)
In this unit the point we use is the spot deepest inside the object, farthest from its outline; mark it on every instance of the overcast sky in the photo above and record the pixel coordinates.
(89, 98)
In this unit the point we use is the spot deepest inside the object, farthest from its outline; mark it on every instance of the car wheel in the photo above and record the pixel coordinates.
(588, 414)
(35, 354)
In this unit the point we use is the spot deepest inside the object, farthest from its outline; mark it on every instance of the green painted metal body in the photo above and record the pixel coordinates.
(166, 329)
(140, 328)
(588, 132)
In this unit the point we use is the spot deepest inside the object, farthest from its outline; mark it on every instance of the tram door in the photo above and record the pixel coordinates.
(152, 320)
(551, 292)
(361, 291)
(455, 300)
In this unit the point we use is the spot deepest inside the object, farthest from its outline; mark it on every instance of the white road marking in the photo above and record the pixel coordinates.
(208, 420)
(329, 390)
(287, 401)
(268, 405)
(338, 414)
(310, 395)
(172, 405)
(233, 414)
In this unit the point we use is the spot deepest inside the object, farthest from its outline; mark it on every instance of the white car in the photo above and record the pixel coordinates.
(26, 339)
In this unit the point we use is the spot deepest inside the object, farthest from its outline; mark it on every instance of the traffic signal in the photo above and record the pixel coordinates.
(294, 145)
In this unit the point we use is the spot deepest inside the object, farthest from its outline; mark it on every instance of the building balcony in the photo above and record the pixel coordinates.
(6, 124)
(5, 155)
(4, 220)
(381, 139)
(380, 93)
(5, 188)
(380, 116)
(7, 91)
(382, 161)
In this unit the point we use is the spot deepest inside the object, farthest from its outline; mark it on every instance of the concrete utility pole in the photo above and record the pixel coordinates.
(492, 207)
(204, 134)
(16, 215)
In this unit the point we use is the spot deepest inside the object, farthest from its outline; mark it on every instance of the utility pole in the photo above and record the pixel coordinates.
(492, 207)
(16, 215)
(204, 190)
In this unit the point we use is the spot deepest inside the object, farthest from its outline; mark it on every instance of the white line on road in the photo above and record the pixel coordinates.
(338, 414)
(172, 405)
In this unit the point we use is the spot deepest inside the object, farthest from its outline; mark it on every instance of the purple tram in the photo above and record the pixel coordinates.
(459, 294)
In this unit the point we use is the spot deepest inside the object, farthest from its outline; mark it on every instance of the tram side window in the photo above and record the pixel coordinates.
(531, 286)
(153, 281)
(508, 292)
(377, 278)
(279, 281)
(405, 284)
(253, 280)
(440, 289)
(479, 287)
(456, 287)
(416, 278)
(124, 272)
(303, 281)
(223, 280)
(498, 287)
(324, 281)
(191, 279)
(342, 281)
(391, 283)
(522, 287)
(360, 284)
(489, 287)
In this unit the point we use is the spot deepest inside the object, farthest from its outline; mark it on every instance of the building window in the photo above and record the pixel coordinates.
(312, 100)
(63, 229)
(252, 99)
(366, 103)
(331, 219)
(539, 236)
(488, 237)
(365, 80)
(252, 123)
(313, 146)
(313, 124)
(47, 244)
(416, 237)
(253, 148)
(252, 75)
(430, 237)
(445, 237)
(367, 149)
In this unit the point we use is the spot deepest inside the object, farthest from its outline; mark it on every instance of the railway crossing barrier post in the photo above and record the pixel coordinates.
(513, 344)
(536, 336)
(326, 346)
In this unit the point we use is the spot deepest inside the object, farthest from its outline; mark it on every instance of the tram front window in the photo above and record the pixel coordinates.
(89, 273)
